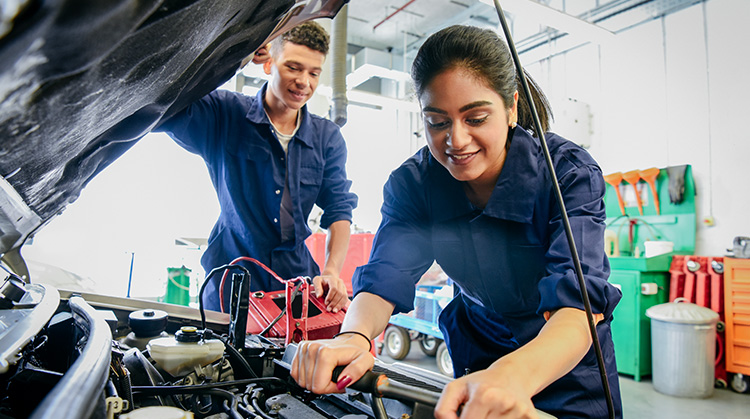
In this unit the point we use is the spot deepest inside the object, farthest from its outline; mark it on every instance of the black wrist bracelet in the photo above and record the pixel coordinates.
(369, 342)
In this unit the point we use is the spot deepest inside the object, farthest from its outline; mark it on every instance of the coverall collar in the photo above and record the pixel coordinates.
(510, 200)
(257, 115)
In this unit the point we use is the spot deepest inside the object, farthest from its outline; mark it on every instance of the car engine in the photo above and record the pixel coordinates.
(66, 354)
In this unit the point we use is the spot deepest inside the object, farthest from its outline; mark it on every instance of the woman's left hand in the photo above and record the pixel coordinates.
(504, 390)
(489, 393)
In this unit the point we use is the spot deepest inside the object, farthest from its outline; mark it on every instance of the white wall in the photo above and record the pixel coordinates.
(661, 96)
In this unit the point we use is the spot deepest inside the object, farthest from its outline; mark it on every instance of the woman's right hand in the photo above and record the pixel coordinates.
(313, 364)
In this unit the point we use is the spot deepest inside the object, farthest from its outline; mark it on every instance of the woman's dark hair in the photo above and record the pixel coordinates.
(482, 53)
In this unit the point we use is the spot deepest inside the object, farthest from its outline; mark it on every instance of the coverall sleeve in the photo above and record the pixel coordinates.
(402, 249)
(583, 190)
(197, 128)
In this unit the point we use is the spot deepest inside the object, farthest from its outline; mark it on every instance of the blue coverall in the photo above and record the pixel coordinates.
(510, 261)
(247, 165)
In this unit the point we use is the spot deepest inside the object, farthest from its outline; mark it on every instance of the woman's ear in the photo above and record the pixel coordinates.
(513, 111)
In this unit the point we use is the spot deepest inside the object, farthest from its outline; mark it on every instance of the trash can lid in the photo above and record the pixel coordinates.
(681, 311)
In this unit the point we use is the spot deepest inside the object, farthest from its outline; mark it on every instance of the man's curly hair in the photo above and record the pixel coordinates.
(309, 34)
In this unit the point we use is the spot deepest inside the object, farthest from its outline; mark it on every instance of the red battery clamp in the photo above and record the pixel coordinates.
(304, 317)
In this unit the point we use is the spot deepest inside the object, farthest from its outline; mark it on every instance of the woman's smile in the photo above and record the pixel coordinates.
(461, 158)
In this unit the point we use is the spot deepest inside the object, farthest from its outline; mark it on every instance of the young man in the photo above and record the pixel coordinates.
(270, 161)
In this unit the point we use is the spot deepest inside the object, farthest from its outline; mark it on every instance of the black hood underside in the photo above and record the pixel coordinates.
(82, 80)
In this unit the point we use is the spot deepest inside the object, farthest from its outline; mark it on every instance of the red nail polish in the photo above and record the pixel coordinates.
(343, 382)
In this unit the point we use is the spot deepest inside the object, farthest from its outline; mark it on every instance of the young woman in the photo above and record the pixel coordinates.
(478, 200)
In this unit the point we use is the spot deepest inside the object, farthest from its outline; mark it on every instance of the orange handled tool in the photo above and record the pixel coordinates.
(632, 177)
(614, 180)
(650, 175)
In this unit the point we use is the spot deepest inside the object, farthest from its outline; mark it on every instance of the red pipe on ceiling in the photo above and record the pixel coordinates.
(392, 14)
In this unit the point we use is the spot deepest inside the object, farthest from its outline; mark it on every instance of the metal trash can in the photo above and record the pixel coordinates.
(683, 348)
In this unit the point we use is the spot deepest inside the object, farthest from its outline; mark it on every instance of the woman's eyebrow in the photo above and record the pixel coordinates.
(464, 108)
(473, 105)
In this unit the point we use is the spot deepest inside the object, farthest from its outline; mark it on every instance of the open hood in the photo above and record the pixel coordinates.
(82, 80)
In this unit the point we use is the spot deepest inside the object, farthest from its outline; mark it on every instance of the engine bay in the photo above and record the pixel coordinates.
(94, 356)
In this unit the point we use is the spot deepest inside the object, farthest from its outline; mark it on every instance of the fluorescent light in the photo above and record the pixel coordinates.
(383, 101)
(545, 15)
(357, 96)
(368, 71)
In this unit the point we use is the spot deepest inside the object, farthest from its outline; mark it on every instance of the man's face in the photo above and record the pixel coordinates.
(295, 74)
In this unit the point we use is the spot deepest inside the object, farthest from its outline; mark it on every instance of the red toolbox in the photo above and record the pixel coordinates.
(700, 280)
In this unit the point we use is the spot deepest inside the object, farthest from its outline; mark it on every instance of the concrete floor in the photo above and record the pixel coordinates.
(640, 400)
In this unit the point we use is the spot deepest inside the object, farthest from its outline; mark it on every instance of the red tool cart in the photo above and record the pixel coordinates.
(358, 253)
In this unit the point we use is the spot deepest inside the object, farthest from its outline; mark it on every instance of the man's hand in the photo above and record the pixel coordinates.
(262, 54)
(334, 289)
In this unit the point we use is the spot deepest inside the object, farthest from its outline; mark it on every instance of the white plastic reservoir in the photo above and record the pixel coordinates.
(179, 355)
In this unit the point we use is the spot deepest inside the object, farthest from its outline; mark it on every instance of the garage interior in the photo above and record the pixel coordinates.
(650, 88)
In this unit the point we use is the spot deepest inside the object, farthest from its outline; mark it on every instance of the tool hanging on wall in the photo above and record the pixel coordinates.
(676, 183)
(614, 179)
(649, 175)
(632, 177)
(632, 237)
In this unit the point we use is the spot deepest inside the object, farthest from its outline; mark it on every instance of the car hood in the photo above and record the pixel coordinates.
(81, 81)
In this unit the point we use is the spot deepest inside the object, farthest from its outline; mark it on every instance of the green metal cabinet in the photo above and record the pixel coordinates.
(675, 222)
(631, 329)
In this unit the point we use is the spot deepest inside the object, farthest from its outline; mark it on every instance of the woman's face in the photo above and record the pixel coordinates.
(466, 125)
